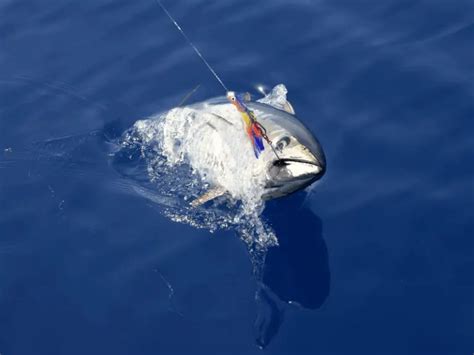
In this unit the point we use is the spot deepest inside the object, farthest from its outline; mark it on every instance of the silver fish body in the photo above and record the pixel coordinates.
(299, 160)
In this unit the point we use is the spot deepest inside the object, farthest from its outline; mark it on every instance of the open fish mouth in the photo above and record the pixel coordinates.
(294, 173)
(307, 167)
(286, 161)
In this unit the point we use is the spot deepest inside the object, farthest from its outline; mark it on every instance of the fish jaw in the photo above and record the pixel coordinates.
(293, 172)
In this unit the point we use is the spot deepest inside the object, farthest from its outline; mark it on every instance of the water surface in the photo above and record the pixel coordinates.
(377, 258)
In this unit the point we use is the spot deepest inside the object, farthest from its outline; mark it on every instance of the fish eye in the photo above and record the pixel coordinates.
(233, 98)
(282, 143)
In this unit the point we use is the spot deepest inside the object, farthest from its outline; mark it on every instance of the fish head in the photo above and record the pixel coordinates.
(298, 159)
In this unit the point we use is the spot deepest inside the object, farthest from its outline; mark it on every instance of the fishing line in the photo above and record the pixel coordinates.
(254, 121)
(192, 45)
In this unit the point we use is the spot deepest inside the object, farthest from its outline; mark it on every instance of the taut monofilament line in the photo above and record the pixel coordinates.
(255, 131)
(192, 45)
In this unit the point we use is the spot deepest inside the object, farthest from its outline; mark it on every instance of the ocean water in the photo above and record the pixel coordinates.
(376, 258)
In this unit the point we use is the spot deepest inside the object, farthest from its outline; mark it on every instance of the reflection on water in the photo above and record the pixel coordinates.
(297, 271)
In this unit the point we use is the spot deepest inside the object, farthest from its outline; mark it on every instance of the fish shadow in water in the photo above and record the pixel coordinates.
(295, 272)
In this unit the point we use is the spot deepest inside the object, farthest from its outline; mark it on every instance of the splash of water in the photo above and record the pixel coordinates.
(180, 154)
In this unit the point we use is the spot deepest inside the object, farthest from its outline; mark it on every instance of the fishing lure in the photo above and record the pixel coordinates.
(255, 131)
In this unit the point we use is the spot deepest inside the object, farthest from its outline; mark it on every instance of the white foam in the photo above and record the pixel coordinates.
(189, 150)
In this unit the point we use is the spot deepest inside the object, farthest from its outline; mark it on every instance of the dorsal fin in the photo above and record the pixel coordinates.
(277, 98)
(288, 107)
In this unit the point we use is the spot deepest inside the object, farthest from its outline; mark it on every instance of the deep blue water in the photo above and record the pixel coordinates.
(379, 256)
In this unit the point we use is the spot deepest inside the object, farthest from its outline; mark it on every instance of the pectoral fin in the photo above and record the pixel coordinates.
(208, 196)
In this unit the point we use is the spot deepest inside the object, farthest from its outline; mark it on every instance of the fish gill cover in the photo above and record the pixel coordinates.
(174, 157)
